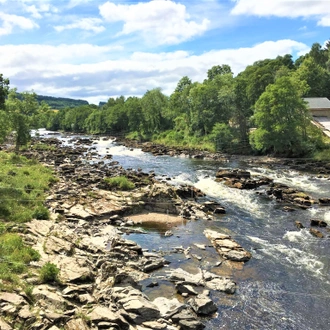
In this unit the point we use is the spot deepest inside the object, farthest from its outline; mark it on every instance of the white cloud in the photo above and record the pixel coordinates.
(11, 21)
(87, 24)
(67, 70)
(319, 10)
(160, 22)
(324, 21)
(38, 11)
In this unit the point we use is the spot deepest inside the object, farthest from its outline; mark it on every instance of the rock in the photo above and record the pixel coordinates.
(168, 307)
(76, 324)
(168, 233)
(232, 173)
(180, 275)
(316, 233)
(139, 308)
(227, 247)
(222, 284)
(4, 325)
(187, 320)
(318, 223)
(324, 201)
(73, 269)
(185, 288)
(57, 245)
(299, 225)
(104, 314)
(12, 298)
(154, 325)
(47, 296)
(203, 305)
(123, 279)
(78, 211)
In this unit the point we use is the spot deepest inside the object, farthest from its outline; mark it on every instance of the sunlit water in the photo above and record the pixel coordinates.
(286, 284)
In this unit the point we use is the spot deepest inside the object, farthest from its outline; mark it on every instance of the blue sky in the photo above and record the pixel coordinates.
(96, 49)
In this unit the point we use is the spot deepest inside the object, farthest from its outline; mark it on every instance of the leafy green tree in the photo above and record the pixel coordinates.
(133, 110)
(282, 119)
(95, 122)
(4, 118)
(20, 110)
(222, 135)
(4, 89)
(317, 78)
(180, 109)
(218, 70)
(154, 105)
(74, 118)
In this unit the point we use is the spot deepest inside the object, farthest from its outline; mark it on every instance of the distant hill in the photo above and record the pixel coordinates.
(61, 102)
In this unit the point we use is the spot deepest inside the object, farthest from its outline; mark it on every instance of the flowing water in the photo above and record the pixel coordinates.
(286, 284)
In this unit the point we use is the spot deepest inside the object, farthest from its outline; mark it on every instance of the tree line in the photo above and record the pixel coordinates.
(260, 110)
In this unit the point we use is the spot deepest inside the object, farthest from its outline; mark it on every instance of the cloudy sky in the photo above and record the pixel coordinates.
(96, 49)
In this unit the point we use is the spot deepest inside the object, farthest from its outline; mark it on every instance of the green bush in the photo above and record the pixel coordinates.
(41, 213)
(120, 182)
(49, 273)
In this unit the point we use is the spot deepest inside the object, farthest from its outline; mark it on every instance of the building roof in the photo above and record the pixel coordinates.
(317, 102)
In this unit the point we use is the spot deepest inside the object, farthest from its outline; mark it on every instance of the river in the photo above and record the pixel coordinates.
(286, 284)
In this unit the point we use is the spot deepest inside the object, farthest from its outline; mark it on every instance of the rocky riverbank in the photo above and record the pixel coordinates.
(321, 168)
(100, 275)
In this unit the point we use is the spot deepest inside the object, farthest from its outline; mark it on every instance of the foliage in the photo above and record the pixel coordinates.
(120, 182)
(49, 273)
(199, 115)
(60, 103)
(223, 137)
(282, 119)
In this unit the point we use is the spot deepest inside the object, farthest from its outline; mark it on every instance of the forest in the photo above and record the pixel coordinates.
(261, 110)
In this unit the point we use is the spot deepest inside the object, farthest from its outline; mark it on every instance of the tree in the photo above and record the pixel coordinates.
(4, 88)
(154, 105)
(317, 78)
(4, 119)
(20, 110)
(282, 119)
(218, 70)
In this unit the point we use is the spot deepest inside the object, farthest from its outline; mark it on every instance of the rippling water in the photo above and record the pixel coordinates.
(286, 284)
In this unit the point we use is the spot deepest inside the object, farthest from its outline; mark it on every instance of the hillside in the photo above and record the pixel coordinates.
(61, 102)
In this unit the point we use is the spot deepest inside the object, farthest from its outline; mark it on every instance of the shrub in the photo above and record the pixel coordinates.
(120, 182)
(49, 273)
(41, 213)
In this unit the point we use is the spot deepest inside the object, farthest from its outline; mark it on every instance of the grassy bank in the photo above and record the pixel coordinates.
(23, 184)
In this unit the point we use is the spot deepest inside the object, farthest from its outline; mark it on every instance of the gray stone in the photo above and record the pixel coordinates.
(168, 307)
(76, 324)
(104, 314)
(203, 305)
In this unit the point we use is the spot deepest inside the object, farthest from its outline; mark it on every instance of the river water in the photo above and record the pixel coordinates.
(286, 284)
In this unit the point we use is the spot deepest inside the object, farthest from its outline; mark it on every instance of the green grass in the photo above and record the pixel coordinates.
(120, 182)
(180, 140)
(23, 183)
(15, 257)
(323, 155)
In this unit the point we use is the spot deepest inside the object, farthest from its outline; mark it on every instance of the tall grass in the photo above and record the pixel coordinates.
(120, 182)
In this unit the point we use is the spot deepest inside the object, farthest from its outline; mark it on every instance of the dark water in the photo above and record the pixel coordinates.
(286, 284)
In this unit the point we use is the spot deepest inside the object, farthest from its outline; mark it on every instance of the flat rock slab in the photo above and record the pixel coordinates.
(227, 247)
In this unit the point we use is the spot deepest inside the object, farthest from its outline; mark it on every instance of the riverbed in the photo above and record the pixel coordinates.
(286, 284)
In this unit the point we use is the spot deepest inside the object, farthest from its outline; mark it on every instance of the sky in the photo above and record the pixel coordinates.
(97, 49)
